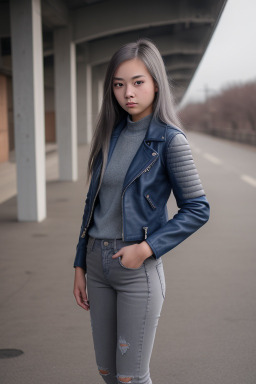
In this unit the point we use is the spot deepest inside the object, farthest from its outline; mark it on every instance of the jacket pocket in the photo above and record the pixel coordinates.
(149, 200)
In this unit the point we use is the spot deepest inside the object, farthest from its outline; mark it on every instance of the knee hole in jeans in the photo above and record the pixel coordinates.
(124, 379)
(104, 372)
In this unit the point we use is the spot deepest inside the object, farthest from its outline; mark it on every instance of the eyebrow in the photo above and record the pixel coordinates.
(134, 77)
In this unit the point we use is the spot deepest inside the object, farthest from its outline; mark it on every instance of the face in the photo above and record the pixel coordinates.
(134, 88)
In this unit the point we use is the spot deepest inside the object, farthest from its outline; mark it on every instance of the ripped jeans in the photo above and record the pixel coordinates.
(125, 305)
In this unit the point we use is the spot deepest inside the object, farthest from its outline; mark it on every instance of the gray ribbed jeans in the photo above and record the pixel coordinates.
(125, 305)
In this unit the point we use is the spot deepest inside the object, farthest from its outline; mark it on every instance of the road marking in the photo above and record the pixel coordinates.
(196, 150)
(248, 179)
(212, 158)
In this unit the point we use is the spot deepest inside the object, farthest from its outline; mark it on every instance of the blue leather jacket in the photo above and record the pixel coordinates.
(163, 163)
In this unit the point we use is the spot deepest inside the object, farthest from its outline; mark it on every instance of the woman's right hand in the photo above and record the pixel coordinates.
(80, 289)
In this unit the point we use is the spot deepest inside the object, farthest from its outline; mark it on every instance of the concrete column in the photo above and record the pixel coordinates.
(4, 133)
(95, 98)
(89, 123)
(84, 95)
(27, 64)
(84, 103)
(81, 103)
(100, 92)
(65, 103)
(98, 75)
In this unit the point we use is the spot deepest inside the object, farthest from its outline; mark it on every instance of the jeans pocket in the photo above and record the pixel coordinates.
(131, 269)
(160, 272)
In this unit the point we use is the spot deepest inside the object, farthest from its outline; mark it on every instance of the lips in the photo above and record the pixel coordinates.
(130, 104)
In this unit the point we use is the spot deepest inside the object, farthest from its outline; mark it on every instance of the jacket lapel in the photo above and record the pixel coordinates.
(145, 154)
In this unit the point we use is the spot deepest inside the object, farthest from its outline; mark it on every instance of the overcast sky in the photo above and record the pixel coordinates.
(231, 54)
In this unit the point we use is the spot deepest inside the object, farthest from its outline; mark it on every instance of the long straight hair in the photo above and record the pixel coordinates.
(111, 113)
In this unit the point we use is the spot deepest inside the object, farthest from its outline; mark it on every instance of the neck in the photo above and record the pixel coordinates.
(136, 127)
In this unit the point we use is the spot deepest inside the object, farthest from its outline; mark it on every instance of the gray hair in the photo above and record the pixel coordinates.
(111, 113)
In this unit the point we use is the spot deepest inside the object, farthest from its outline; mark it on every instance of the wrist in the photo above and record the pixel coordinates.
(79, 270)
(146, 250)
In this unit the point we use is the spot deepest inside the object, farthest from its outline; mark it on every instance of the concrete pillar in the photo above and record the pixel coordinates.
(65, 103)
(100, 92)
(89, 122)
(84, 95)
(4, 132)
(95, 98)
(81, 103)
(27, 64)
(98, 75)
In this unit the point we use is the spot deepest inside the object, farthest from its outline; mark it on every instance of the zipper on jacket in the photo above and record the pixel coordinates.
(83, 233)
(152, 205)
(145, 170)
(146, 232)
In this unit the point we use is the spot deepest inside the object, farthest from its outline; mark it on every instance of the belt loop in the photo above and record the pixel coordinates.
(115, 247)
(91, 241)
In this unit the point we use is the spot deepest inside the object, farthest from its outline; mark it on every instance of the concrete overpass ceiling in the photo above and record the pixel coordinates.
(180, 61)
(180, 70)
(181, 29)
(55, 14)
(181, 45)
(75, 4)
(171, 40)
(181, 73)
(112, 16)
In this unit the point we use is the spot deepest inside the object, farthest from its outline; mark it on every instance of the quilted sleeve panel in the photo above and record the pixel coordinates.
(182, 170)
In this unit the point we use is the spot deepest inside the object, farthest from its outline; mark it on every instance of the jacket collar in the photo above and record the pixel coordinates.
(156, 131)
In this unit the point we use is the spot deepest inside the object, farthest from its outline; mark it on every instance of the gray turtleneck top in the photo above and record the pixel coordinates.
(107, 219)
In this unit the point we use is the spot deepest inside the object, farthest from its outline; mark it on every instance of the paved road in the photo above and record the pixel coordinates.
(207, 332)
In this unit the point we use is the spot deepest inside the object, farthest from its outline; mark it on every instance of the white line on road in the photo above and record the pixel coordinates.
(194, 148)
(248, 179)
(212, 158)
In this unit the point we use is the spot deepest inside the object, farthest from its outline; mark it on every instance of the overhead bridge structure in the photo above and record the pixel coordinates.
(54, 55)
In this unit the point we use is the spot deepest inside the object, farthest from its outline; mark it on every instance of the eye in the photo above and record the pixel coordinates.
(139, 82)
(118, 85)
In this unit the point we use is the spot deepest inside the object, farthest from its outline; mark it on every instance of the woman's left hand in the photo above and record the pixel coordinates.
(134, 255)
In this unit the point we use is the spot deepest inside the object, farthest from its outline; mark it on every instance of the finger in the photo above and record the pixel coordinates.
(119, 253)
(80, 301)
(84, 297)
(83, 304)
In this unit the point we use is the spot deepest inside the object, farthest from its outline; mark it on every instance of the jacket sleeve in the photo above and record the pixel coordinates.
(193, 206)
(81, 248)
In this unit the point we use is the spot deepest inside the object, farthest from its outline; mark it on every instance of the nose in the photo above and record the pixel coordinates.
(129, 92)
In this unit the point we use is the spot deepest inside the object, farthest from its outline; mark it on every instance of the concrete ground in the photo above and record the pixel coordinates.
(207, 331)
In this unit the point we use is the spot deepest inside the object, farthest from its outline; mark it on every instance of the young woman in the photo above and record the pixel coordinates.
(138, 156)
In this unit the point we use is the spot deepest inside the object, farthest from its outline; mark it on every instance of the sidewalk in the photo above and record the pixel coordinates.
(8, 185)
(38, 312)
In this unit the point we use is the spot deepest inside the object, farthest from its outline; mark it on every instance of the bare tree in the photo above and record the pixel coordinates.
(231, 113)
